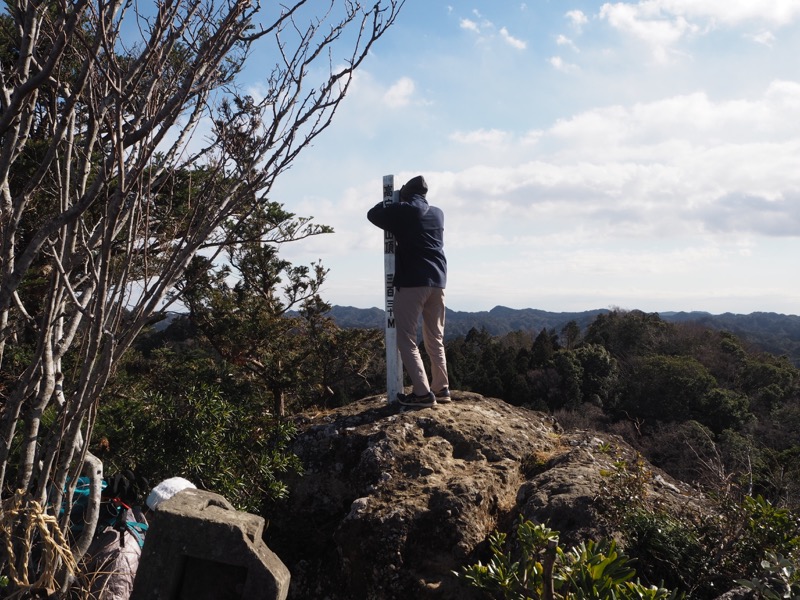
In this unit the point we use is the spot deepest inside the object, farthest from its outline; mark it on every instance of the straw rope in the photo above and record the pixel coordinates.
(20, 513)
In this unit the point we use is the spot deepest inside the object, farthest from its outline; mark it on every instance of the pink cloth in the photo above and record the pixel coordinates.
(113, 558)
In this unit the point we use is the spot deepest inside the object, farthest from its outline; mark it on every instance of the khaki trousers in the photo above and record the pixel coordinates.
(409, 304)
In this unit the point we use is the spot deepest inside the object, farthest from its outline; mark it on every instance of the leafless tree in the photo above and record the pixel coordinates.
(127, 146)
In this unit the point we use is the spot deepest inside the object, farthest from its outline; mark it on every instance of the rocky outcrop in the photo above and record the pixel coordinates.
(394, 500)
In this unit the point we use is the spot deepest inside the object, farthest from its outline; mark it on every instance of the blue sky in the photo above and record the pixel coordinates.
(641, 155)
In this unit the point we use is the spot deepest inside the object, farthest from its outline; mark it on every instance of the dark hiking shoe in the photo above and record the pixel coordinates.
(423, 401)
(443, 395)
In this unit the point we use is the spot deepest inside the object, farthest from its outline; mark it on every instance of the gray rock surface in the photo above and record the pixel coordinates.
(394, 500)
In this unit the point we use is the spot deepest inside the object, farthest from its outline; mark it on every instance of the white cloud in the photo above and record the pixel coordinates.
(484, 27)
(647, 22)
(469, 25)
(511, 40)
(400, 94)
(663, 23)
(732, 12)
(691, 118)
(482, 137)
(563, 40)
(560, 64)
(577, 19)
(767, 38)
(684, 165)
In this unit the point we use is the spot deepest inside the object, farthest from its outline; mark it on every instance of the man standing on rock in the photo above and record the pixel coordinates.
(420, 280)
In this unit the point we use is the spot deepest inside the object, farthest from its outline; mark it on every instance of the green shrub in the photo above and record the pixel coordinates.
(780, 579)
(667, 548)
(534, 567)
(763, 530)
(234, 448)
(699, 555)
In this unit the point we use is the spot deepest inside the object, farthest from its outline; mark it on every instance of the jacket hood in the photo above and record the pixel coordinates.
(414, 186)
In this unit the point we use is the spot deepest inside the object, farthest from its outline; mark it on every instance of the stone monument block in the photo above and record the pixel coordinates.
(199, 547)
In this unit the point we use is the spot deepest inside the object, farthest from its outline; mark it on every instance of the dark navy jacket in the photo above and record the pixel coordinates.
(419, 233)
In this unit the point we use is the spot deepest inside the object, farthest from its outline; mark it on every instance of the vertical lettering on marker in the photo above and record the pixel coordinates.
(394, 368)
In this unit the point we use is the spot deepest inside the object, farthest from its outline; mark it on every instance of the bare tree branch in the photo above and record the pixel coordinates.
(107, 192)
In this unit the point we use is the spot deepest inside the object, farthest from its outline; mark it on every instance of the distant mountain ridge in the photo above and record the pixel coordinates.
(772, 332)
(498, 321)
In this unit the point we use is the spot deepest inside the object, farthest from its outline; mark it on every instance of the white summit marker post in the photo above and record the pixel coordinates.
(394, 367)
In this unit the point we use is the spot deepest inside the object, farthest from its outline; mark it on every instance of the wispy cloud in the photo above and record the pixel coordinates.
(577, 19)
(487, 29)
(776, 12)
(563, 40)
(649, 24)
(483, 137)
(680, 166)
(399, 94)
(766, 38)
(663, 23)
(560, 64)
(511, 40)
(469, 25)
